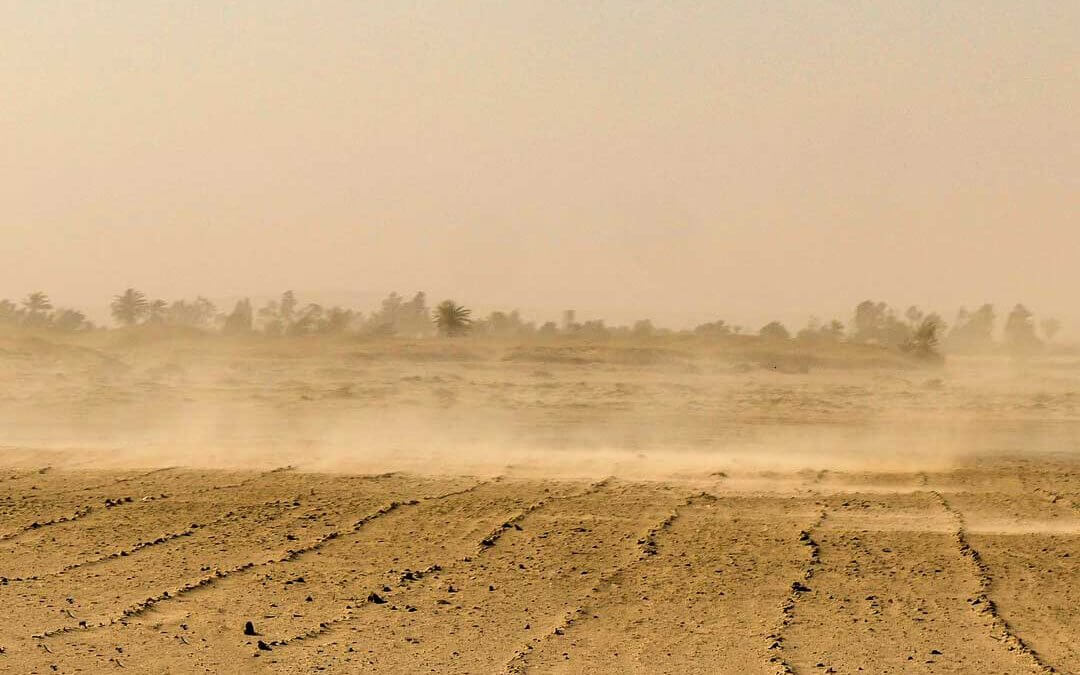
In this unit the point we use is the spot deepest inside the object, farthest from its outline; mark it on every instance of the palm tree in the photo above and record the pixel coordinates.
(451, 319)
(37, 303)
(157, 311)
(130, 307)
(37, 306)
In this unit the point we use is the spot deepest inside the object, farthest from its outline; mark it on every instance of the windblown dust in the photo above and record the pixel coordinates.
(396, 507)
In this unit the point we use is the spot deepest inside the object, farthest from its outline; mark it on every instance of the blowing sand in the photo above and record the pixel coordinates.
(469, 512)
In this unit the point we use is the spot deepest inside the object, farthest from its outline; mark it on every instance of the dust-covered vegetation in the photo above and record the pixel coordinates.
(875, 329)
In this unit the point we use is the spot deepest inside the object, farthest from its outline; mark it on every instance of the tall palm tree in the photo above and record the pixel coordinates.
(130, 307)
(451, 319)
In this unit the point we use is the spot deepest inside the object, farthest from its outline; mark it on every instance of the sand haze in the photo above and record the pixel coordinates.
(539, 338)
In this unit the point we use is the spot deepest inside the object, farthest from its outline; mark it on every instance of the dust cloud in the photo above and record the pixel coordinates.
(654, 409)
(750, 344)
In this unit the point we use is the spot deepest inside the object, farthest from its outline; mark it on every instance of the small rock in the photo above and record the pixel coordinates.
(249, 629)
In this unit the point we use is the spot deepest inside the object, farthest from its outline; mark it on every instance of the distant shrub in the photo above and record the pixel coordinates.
(1020, 337)
(774, 330)
(923, 342)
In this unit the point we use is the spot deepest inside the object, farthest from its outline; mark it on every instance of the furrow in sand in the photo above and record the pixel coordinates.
(1030, 546)
(99, 590)
(982, 603)
(125, 480)
(136, 529)
(138, 547)
(83, 512)
(490, 600)
(115, 555)
(647, 546)
(515, 521)
(112, 483)
(648, 543)
(697, 598)
(79, 513)
(291, 555)
(246, 482)
(798, 588)
(486, 544)
(889, 594)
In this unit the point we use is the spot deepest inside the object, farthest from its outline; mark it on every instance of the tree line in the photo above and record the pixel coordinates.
(913, 330)
(284, 316)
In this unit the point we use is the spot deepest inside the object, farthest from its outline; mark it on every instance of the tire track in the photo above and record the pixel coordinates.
(798, 587)
(291, 555)
(982, 603)
(647, 544)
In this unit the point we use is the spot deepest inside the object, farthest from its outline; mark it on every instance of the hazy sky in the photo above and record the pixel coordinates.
(681, 160)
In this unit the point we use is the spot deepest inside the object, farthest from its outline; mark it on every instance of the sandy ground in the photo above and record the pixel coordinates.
(158, 571)
(473, 516)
